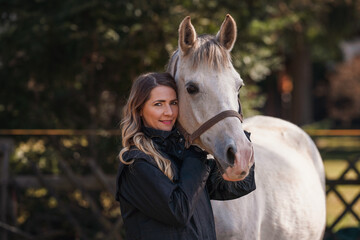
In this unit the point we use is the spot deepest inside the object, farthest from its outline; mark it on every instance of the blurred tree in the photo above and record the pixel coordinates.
(64, 63)
(300, 33)
(67, 62)
(344, 94)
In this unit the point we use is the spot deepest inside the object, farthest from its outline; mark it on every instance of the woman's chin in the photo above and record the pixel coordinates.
(166, 127)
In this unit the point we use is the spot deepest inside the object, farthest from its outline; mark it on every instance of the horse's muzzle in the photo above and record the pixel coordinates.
(241, 161)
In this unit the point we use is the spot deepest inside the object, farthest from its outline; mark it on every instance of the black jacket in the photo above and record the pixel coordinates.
(154, 207)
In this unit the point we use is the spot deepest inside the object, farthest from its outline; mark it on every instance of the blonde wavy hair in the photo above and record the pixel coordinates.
(131, 123)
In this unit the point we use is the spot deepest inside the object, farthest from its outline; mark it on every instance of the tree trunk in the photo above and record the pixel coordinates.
(301, 74)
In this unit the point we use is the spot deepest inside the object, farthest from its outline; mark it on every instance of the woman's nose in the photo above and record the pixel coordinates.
(168, 111)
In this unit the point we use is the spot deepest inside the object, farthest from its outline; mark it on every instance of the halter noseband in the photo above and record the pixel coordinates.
(189, 138)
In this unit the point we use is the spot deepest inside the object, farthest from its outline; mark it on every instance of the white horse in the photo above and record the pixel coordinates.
(289, 201)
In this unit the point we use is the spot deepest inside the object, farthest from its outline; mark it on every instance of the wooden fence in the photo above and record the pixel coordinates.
(55, 185)
(348, 176)
(98, 180)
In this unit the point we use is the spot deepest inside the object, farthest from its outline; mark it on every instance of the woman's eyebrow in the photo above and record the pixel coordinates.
(161, 100)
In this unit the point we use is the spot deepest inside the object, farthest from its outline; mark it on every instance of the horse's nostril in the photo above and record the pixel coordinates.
(230, 155)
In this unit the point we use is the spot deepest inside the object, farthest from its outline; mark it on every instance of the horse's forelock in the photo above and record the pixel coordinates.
(209, 51)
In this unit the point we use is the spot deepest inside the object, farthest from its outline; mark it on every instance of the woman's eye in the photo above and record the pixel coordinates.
(192, 88)
(174, 103)
(157, 104)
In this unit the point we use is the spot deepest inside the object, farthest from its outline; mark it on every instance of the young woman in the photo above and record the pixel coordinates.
(163, 188)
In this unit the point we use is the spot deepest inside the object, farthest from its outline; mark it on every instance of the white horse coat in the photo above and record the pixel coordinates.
(289, 201)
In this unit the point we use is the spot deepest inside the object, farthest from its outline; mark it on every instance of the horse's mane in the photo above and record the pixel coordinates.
(207, 51)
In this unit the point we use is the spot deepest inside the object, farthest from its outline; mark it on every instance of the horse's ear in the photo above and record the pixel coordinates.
(227, 33)
(187, 35)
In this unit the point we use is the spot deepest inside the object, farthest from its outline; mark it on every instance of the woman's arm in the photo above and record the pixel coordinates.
(219, 189)
(149, 190)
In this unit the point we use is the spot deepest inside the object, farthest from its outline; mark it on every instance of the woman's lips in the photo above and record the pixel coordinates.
(167, 122)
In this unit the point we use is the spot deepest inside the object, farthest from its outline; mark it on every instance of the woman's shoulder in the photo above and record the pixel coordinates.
(140, 162)
(136, 154)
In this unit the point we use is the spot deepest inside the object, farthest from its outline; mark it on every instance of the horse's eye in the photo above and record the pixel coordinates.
(192, 88)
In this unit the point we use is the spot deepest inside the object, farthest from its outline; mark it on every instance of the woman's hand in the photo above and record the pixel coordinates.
(195, 152)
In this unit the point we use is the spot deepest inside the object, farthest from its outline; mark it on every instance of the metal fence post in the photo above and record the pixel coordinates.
(6, 147)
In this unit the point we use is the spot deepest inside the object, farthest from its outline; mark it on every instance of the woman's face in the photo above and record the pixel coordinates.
(161, 110)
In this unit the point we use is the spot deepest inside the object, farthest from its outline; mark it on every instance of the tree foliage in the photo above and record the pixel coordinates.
(65, 63)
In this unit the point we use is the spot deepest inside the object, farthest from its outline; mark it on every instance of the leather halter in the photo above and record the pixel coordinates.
(189, 138)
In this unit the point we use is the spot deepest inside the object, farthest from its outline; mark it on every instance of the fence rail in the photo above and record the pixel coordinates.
(117, 132)
(333, 132)
(60, 132)
(98, 180)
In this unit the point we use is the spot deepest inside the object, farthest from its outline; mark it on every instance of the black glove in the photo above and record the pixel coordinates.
(247, 135)
(195, 152)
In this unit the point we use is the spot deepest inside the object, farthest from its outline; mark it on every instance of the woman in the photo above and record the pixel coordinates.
(164, 190)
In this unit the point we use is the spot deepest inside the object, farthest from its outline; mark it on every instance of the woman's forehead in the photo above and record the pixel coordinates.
(163, 92)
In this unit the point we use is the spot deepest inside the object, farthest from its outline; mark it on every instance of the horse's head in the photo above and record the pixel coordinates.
(208, 84)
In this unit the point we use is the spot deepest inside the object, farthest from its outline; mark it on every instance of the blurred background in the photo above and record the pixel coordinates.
(66, 68)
